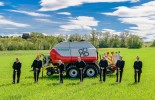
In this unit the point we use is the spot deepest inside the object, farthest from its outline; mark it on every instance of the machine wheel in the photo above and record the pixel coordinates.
(90, 71)
(110, 70)
(50, 71)
(72, 72)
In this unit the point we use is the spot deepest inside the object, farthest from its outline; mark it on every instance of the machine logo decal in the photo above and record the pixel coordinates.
(83, 52)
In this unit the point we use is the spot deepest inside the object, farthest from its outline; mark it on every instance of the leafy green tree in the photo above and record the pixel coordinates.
(60, 38)
(94, 38)
(105, 40)
(75, 37)
(134, 41)
(153, 44)
(123, 36)
(114, 41)
(36, 35)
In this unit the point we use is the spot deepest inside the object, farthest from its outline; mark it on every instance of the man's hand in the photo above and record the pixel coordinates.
(81, 68)
(15, 70)
(102, 67)
(137, 70)
(37, 69)
(118, 69)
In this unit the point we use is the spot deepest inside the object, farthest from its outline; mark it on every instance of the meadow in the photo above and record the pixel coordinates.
(49, 89)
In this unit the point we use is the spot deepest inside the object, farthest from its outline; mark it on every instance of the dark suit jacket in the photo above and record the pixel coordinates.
(37, 64)
(138, 65)
(81, 64)
(103, 64)
(61, 67)
(17, 66)
(120, 64)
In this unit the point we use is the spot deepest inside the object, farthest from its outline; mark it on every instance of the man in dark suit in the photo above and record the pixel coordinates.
(37, 64)
(103, 68)
(137, 69)
(81, 65)
(119, 69)
(16, 70)
(61, 69)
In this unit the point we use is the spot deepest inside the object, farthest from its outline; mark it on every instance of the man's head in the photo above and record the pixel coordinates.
(121, 57)
(38, 57)
(137, 57)
(59, 62)
(17, 59)
(103, 57)
(79, 59)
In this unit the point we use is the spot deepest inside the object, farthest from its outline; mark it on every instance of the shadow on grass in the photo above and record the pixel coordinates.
(56, 77)
(132, 84)
(113, 84)
(69, 84)
(52, 84)
(73, 84)
(96, 83)
(29, 77)
(9, 84)
(111, 76)
(53, 77)
(27, 84)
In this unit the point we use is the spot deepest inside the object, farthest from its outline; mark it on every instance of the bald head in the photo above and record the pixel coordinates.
(59, 62)
(79, 59)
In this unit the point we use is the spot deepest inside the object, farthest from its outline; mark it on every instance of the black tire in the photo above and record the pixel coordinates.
(72, 72)
(49, 72)
(90, 71)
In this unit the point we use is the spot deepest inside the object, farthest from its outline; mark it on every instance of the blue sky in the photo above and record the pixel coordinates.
(78, 16)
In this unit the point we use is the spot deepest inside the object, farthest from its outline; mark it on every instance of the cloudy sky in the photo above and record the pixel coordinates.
(71, 16)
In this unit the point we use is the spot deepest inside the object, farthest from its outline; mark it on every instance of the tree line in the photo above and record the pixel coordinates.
(108, 40)
(38, 41)
(35, 41)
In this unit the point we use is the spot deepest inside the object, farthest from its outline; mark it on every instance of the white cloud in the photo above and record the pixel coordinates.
(146, 9)
(111, 31)
(51, 5)
(64, 13)
(142, 17)
(81, 22)
(149, 38)
(1, 16)
(30, 13)
(135, 1)
(45, 20)
(10, 35)
(8, 22)
(1, 4)
(4, 21)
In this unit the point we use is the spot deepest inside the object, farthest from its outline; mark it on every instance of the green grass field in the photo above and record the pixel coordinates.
(91, 89)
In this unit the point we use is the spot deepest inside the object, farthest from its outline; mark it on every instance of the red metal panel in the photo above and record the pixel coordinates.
(54, 55)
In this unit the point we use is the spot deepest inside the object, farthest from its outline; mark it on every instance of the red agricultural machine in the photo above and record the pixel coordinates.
(68, 52)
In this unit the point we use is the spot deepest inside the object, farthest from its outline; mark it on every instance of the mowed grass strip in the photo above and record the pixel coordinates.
(91, 89)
